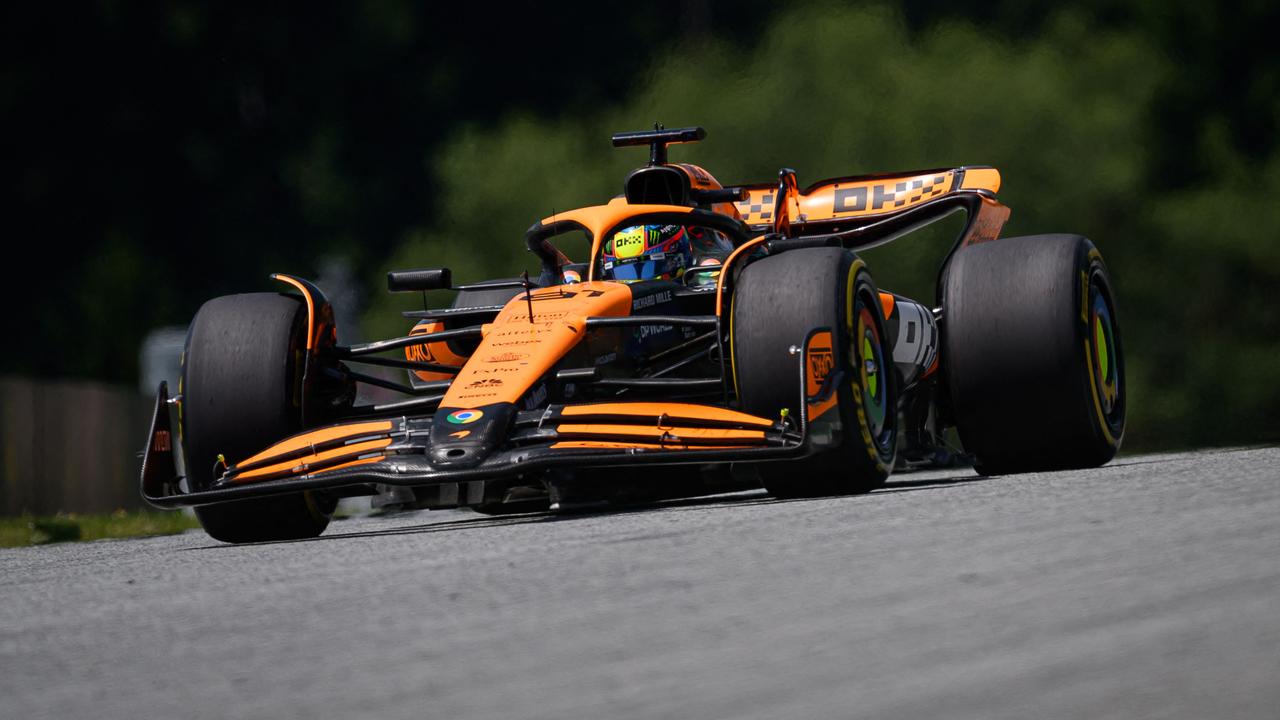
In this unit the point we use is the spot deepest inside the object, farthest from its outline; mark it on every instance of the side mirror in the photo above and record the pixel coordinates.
(422, 279)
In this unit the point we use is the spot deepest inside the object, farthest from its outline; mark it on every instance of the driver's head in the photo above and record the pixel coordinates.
(647, 252)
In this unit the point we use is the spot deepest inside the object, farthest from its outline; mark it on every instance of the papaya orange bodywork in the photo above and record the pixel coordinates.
(871, 197)
(437, 353)
(311, 308)
(599, 219)
(988, 224)
(981, 179)
(655, 434)
(820, 361)
(316, 437)
(886, 303)
(518, 349)
(298, 466)
(849, 198)
(673, 411)
(700, 179)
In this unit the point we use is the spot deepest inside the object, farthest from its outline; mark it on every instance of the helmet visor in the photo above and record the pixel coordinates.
(638, 270)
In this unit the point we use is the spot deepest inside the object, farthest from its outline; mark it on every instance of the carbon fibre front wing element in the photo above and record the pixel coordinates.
(395, 451)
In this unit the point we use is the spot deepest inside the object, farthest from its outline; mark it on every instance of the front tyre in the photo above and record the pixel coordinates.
(777, 301)
(1031, 354)
(241, 391)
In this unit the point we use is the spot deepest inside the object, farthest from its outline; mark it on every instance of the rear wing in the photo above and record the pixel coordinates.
(868, 210)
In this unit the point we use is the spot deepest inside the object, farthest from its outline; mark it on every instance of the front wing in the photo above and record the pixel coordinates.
(395, 451)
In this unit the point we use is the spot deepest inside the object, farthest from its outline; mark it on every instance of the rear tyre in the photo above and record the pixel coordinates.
(1031, 354)
(777, 301)
(241, 391)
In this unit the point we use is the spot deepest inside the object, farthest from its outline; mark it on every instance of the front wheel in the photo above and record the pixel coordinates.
(241, 391)
(1031, 354)
(777, 301)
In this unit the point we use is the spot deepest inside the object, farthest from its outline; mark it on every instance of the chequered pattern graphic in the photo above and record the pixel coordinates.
(757, 212)
(907, 193)
(851, 199)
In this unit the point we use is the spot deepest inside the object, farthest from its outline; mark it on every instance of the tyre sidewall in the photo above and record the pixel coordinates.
(246, 395)
(1017, 354)
(857, 463)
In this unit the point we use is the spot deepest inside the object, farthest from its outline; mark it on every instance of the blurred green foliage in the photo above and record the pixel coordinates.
(1071, 114)
(164, 152)
(26, 530)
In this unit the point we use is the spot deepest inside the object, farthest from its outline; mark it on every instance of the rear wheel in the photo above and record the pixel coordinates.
(1031, 354)
(777, 301)
(241, 391)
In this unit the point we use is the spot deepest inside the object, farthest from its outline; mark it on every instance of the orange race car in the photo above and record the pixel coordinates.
(684, 338)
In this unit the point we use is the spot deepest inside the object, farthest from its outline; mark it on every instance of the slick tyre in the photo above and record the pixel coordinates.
(777, 301)
(1031, 354)
(241, 387)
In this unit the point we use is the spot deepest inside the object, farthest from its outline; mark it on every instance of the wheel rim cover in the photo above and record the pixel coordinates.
(870, 363)
(1102, 336)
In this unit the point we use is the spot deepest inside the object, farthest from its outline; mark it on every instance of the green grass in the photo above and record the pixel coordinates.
(39, 530)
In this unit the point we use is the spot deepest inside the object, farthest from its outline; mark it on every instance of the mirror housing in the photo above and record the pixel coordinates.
(420, 279)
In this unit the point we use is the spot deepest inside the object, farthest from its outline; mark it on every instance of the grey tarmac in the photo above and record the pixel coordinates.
(1147, 588)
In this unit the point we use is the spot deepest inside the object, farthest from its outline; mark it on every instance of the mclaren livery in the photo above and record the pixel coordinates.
(684, 338)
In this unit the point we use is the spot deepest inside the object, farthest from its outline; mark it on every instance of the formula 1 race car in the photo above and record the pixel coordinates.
(701, 339)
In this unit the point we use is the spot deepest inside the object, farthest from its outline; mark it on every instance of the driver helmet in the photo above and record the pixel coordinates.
(647, 252)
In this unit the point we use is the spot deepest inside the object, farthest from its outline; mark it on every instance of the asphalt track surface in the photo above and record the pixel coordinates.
(1148, 588)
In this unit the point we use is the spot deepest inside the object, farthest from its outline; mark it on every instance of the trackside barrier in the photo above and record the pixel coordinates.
(69, 446)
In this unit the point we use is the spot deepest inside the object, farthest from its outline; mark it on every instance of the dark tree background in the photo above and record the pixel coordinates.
(165, 152)
(161, 153)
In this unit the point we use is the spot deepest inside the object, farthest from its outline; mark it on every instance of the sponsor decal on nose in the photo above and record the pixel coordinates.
(464, 417)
